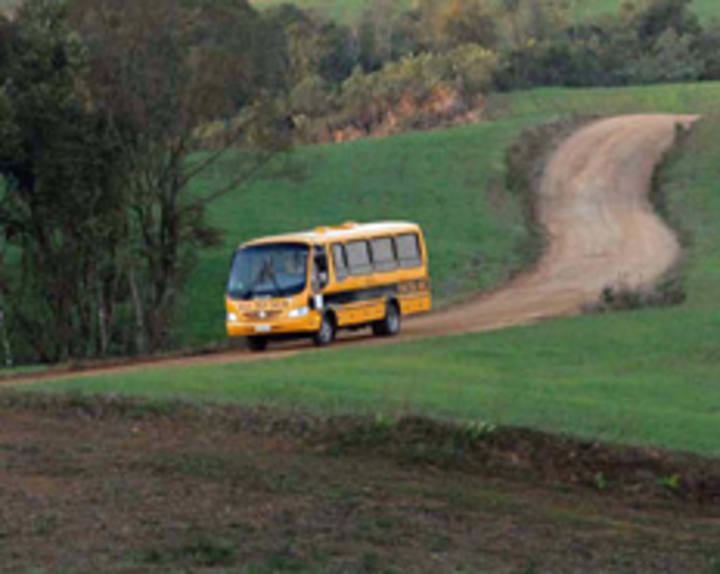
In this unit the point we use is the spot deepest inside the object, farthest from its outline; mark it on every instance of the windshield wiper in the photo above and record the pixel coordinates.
(273, 278)
(268, 272)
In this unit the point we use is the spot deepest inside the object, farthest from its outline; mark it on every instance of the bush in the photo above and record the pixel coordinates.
(668, 292)
(417, 91)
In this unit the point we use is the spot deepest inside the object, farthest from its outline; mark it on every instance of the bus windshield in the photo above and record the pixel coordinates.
(271, 270)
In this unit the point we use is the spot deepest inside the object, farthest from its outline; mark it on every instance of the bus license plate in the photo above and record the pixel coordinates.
(262, 328)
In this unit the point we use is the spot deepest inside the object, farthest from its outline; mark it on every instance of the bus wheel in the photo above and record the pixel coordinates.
(326, 333)
(256, 344)
(390, 324)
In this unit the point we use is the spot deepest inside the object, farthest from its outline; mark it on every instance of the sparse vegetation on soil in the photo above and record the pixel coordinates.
(114, 486)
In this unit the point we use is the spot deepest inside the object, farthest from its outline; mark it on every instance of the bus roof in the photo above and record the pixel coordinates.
(346, 231)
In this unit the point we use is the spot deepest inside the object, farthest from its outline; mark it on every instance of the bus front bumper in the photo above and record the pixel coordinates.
(284, 326)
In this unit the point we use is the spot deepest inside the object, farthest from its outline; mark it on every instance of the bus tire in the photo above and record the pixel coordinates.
(257, 344)
(388, 326)
(326, 333)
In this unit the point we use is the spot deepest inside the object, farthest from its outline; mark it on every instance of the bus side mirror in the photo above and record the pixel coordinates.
(320, 281)
(316, 302)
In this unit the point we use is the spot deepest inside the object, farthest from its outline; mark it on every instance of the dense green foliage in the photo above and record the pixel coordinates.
(413, 92)
(100, 105)
(412, 64)
(60, 207)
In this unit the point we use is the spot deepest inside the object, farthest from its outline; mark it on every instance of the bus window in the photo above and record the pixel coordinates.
(383, 254)
(408, 249)
(339, 261)
(358, 257)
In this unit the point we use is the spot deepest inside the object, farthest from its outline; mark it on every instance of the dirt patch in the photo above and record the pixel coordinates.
(89, 485)
(471, 447)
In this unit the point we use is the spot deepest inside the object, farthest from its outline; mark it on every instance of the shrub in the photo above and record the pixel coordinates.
(669, 291)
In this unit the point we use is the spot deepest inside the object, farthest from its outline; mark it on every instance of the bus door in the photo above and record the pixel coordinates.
(319, 274)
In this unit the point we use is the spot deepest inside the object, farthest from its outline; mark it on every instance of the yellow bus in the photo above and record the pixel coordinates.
(317, 282)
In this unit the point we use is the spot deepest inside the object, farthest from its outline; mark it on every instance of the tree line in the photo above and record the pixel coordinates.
(463, 49)
(111, 109)
(100, 105)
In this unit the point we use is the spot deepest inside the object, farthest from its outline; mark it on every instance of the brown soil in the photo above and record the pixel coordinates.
(100, 485)
(601, 231)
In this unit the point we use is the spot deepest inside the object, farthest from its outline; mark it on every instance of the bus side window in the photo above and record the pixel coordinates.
(383, 254)
(358, 257)
(339, 261)
(408, 250)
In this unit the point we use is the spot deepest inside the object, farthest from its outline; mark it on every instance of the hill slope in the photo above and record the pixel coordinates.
(349, 11)
(452, 182)
(641, 377)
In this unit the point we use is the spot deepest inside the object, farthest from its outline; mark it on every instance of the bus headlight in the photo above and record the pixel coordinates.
(299, 312)
(232, 318)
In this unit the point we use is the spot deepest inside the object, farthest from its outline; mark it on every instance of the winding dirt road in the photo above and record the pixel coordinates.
(600, 225)
(601, 231)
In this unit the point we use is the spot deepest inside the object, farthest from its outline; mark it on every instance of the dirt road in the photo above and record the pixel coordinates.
(601, 228)
(601, 231)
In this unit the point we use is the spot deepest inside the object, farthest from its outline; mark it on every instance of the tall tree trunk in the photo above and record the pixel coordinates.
(5, 339)
(102, 319)
(140, 332)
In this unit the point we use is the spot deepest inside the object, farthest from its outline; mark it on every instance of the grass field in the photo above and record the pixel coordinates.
(585, 9)
(445, 180)
(647, 377)
(349, 11)
(439, 179)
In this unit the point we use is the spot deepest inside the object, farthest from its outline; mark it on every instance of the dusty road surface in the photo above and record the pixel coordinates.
(601, 228)
(601, 231)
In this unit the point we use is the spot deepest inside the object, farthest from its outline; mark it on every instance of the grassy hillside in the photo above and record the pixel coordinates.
(585, 9)
(640, 377)
(452, 182)
(349, 11)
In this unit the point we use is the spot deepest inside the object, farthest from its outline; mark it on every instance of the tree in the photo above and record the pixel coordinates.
(60, 206)
(658, 16)
(385, 32)
(709, 47)
(467, 22)
(155, 77)
(309, 45)
(104, 111)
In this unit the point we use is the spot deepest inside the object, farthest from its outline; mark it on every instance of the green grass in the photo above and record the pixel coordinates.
(22, 370)
(699, 97)
(634, 378)
(587, 9)
(645, 377)
(350, 11)
(451, 182)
